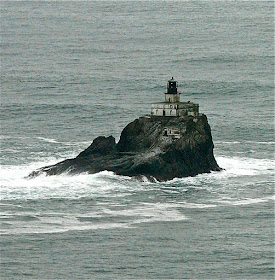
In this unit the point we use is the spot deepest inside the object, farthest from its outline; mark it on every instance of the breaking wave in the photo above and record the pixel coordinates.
(120, 201)
(15, 186)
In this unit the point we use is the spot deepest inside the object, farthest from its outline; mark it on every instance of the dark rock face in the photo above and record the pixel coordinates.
(159, 147)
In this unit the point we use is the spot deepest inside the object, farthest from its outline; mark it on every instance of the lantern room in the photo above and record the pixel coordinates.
(172, 86)
(172, 94)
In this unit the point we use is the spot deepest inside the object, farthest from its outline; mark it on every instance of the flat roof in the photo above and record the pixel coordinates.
(167, 102)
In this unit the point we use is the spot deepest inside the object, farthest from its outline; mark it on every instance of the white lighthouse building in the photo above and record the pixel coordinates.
(172, 107)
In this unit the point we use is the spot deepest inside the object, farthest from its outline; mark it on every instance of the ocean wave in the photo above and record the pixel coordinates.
(52, 140)
(14, 185)
(246, 142)
(245, 201)
(237, 166)
(120, 201)
(43, 228)
(104, 216)
(233, 167)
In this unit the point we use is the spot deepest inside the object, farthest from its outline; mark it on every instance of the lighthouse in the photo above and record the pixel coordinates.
(172, 107)
(172, 94)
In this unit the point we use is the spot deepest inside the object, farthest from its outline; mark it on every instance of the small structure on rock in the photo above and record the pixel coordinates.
(172, 107)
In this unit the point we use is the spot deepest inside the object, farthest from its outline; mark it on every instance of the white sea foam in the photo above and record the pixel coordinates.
(250, 142)
(106, 218)
(198, 205)
(227, 142)
(246, 166)
(14, 185)
(56, 226)
(106, 215)
(117, 214)
(150, 212)
(246, 201)
(50, 140)
(234, 167)
(240, 166)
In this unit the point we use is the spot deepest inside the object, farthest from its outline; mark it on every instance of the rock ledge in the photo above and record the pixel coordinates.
(159, 147)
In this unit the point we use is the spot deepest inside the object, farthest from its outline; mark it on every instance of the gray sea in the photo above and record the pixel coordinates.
(71, 71)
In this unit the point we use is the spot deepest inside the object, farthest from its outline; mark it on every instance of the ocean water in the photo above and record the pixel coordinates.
(71, 71)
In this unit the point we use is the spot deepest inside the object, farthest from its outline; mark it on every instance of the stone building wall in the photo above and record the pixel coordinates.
(176, 109)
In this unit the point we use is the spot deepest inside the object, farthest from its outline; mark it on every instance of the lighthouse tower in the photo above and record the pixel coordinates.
(172, 107)
(172, 94)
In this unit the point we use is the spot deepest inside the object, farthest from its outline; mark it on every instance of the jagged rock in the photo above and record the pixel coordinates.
(158, 147)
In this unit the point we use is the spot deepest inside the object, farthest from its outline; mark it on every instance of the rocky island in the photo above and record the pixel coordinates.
(174, 141)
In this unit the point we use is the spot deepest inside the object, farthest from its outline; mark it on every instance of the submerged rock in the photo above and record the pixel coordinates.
(151, 146)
